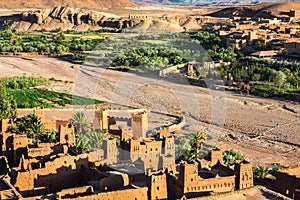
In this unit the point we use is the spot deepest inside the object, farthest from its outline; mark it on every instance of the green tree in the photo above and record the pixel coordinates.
(279, 78)
(32, 127)
(95, 139)
(229, 157)
(86, 137)
(261, 171)
(49, 136)
(81, 123)
(197, 139)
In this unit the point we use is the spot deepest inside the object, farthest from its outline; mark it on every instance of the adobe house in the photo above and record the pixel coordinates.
(155, 153)
(137, 119)
(288, 182)
(195, 179)
(157, 184)
(49, 124)
(266, 54)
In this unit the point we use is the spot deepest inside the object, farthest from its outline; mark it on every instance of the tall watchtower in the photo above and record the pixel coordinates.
(244, 175)
(139, 123)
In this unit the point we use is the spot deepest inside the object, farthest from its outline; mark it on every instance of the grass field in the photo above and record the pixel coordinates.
(23, 90)
(270, 90)
(30, 98)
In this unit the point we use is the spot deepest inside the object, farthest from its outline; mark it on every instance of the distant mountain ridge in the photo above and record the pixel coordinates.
(207, 2)
(264, 10)
(86, 4)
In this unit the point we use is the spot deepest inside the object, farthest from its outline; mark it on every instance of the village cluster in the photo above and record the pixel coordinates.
(139, 167)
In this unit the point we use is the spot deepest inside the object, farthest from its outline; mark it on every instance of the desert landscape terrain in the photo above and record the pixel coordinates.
(248, 120)
(170, 101)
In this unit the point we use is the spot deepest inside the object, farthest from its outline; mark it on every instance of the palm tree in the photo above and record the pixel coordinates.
(36, 130)
(32, 127)
(81, 123)
(95, 139)
(49, 136)
(191, 155)
(229, 157)
(82, 143)
(261, 171)
(197, 139)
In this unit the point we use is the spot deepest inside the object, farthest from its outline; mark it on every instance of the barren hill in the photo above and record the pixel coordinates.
(87, 4)
(259, 10)
(78, 19)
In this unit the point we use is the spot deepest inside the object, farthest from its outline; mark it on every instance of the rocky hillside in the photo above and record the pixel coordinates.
(265, 10)
(68, 18)
(65, 18)
(87, 4)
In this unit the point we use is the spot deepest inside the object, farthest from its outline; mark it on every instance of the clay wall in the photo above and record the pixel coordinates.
(67, 135)
(193, 183)
(110, 150)
(19, 141)
(167, 162)
(218, 184)
(147, 151)
(169, 146)
(65, 168)
(39, 151)
(216, 156)
(114, 182)
(4, 125)
(177, 127)
(158, 186)
(126, 194)
(164, 132)
(77, 191)
(288, 181)
(50, 124)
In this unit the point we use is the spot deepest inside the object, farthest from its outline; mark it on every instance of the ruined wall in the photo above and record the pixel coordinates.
(67, 169)
(110, 150)
(114, 182)
(5, 125)
(158, 186)
(67, 135)
(193, 183)
(288, 181)
(126, 194)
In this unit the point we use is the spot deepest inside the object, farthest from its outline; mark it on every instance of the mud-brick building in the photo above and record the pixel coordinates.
(136, 119)
(202, 177)
(153, 153)
(288, 182)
